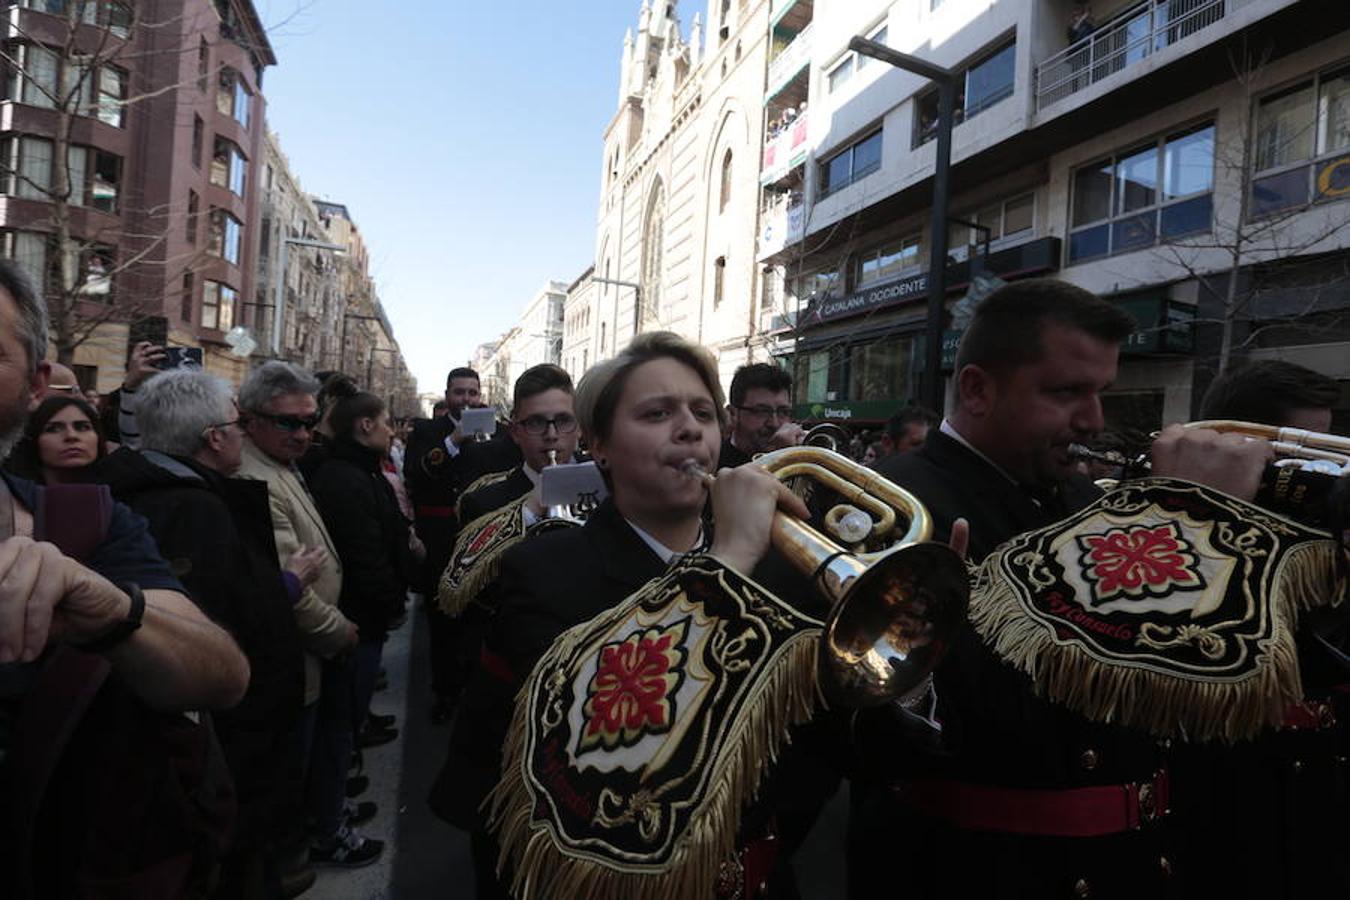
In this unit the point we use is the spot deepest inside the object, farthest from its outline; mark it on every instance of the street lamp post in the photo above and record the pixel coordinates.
(279, 304)
(946, 81)
(637, 302)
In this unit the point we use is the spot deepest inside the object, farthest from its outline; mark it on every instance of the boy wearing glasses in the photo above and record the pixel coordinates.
(760, 412)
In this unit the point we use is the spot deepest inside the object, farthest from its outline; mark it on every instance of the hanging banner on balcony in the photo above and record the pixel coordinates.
(1333, 178)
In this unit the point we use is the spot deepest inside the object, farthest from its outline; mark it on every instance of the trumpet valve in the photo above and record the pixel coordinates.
(848, 523)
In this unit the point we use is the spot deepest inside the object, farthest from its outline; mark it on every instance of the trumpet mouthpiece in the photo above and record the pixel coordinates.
(692, 468)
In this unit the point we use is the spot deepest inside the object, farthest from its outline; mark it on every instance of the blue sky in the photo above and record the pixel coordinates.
(465, 139)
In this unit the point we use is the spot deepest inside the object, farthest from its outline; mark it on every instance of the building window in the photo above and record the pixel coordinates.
(203, 65)
(93, 175)
(265, 238)
(1153, 193)
(990, 80)
(193, 208)
(856, 161)
(879, 36)
(33, 81)
(226, 232)
(724, 195)
(218, 305)
(198, 139)
(985, 84)
(881, 369)
(719, 279)
(653, 250)
(820, 375)
(886, 262)
(228, 166)
(1302, 139)
(30, 159)
(112, 95)
(188, 298)
(1014, 217)
(840, 74)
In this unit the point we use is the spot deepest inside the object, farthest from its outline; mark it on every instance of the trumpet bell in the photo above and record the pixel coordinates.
(893, 625)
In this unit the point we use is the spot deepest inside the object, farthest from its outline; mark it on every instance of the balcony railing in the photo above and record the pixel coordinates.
(1127, 39)
(789, 62)
(785, 150)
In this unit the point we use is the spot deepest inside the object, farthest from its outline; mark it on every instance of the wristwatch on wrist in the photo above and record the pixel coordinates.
(123, 629)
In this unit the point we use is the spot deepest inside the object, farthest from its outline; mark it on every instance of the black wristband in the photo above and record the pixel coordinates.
(123, 629)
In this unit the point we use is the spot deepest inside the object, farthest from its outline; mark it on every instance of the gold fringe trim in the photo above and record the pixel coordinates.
(541, 870)
(483, 481)
(458, 586)
(1160, 703)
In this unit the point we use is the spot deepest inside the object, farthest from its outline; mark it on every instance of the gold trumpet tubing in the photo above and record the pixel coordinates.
(1300, 438)
(883, 514)
(1299, 451)
(860, 481)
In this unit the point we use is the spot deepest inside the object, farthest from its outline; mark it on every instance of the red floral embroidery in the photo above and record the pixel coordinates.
(482, 538)
(631, 693)
(1140, 560)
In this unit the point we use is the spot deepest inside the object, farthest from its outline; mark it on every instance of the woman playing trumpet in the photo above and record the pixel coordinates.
(647, 415)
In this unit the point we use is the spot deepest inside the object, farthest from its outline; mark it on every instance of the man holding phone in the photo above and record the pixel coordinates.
(147, 360)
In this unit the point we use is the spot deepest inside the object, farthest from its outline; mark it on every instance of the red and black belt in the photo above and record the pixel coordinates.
(1072, 812)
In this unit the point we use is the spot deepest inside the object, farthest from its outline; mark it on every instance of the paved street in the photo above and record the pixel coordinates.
(429, 859)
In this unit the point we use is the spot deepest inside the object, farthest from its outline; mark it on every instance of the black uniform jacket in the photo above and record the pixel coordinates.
(731, 456)
(494, 496)
(996, 732)
(216, 534)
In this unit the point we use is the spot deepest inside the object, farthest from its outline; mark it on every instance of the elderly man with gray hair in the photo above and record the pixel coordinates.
(279, 412)
(216, 532)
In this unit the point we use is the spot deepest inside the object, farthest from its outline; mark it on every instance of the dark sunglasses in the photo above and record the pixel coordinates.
(289, 423)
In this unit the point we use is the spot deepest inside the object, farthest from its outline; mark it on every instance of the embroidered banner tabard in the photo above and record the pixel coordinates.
(642, 734)
(1165, 606)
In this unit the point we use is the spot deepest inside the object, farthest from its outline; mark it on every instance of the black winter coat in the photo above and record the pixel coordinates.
(216, 534)
(359, 509)
(494, 496)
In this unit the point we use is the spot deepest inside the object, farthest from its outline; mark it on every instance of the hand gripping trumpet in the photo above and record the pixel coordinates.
(1304, 482)
(894, 611)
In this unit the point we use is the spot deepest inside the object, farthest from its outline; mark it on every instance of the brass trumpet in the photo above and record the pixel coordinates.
(1300, 483)
(894, 611)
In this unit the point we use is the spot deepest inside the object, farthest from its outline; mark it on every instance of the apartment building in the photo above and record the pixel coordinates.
(129, 135)
(537, 339)
(1187, 158)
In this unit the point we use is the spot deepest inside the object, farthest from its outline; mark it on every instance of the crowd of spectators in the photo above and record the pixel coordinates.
(194, 592)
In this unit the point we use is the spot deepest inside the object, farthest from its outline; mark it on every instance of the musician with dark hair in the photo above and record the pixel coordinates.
(1028, 380)
(760, 414)
(1273, 392)
(436, 460)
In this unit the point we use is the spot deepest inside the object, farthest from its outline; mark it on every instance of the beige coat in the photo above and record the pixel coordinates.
(296, 523)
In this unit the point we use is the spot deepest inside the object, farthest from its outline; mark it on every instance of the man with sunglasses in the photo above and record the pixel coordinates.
(760, 412)
(279, 408)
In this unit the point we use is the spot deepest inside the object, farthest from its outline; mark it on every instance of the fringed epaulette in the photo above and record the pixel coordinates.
(476, 560)
(1164, 606)
(641, 736)
(483, 481)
